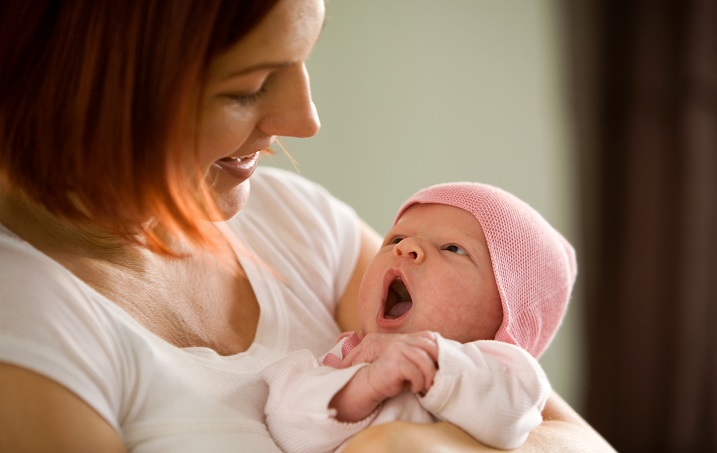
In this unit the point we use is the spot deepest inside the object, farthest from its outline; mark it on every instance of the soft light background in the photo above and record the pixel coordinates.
(416, 92)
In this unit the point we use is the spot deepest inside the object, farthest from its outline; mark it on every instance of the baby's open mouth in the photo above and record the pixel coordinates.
(398, 300)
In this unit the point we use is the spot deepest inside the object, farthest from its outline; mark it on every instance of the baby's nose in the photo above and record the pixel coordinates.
(410, 248)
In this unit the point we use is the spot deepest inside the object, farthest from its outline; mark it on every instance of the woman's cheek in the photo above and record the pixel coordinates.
(223, 131)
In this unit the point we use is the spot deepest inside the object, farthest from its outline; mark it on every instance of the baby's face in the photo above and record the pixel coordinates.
(433, 272)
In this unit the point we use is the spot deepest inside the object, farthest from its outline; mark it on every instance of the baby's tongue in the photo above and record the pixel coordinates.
(399, 309)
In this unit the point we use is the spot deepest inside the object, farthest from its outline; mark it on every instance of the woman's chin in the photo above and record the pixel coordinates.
(230, 201)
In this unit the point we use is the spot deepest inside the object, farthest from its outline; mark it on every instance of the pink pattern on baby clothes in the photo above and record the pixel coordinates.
(350, 341)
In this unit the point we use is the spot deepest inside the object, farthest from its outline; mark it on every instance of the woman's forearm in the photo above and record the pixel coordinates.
(562, 430)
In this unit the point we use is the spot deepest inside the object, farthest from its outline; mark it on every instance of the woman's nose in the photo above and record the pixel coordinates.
(410, 248)
(292, 112)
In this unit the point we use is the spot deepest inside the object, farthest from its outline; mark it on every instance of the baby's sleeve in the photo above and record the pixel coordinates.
(297, 410)
(494, 391)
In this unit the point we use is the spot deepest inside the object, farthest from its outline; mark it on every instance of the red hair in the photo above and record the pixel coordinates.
(94, 98)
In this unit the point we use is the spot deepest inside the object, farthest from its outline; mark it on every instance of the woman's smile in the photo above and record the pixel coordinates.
(239, 167)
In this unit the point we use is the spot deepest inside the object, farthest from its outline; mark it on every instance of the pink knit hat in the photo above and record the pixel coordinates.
(534, 265)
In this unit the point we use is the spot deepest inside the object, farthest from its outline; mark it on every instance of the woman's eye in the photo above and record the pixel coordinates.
(455, 249)
(248, 99)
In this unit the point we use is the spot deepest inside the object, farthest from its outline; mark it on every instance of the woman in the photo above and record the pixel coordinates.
(132, 318)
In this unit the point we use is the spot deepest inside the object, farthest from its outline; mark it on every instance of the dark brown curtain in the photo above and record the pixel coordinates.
(645, 89)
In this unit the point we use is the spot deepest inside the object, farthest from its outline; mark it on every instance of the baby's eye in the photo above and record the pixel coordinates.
(395, 240)
(455, 249)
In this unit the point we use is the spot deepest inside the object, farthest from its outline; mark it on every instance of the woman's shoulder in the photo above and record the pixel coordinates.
(301, 230)
(288, 187)
(52, 324)
(40, 297)
(289, 200)
(23, 266)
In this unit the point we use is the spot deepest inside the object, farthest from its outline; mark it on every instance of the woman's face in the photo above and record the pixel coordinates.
(256, 91)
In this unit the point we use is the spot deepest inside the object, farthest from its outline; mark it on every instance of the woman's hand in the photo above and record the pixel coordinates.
(562, 430)
(404, 437)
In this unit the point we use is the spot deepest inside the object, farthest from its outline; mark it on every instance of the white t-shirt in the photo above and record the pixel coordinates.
(161, 398)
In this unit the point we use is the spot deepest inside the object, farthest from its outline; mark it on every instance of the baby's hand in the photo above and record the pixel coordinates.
(397, 361)
(374, 344)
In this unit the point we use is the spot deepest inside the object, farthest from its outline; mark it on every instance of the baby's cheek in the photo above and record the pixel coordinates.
(366, 317)
(457, 324)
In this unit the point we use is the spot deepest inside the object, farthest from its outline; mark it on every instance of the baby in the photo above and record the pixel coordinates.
(465, 294)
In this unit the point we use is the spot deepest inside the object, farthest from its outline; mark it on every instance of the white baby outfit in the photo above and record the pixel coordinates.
(493, 390)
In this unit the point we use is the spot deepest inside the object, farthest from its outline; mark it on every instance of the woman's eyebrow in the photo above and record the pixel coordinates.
(259, 67)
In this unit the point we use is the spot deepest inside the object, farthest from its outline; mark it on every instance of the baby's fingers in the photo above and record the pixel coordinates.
(390, 377)
(424, 365)
(426, 340)
(368, 350)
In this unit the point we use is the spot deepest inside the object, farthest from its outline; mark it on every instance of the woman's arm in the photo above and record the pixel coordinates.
(347, 311)
(39, 415)
(562, 430)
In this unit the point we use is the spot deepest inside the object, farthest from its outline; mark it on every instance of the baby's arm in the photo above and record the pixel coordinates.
(494, 391)
(297, 409)
(397, 362)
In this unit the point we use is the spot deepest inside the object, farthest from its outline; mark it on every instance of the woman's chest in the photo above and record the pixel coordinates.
(194, 400)
(203, 307)
(191, 302)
